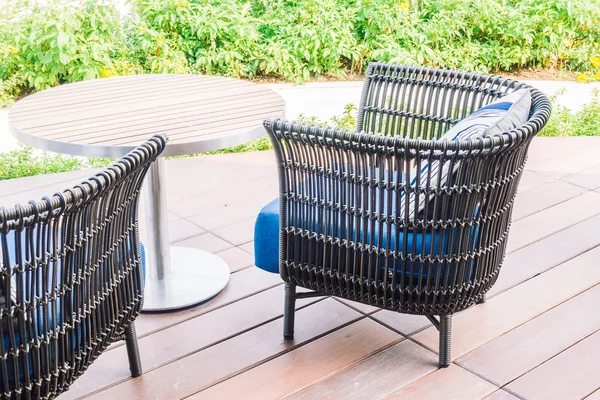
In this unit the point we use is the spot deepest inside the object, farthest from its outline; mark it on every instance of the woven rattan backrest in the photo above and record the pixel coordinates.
(342, 193)
(72, 266)
(414, 102)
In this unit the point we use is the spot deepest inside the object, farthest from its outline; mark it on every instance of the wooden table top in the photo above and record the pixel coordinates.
(109, 117)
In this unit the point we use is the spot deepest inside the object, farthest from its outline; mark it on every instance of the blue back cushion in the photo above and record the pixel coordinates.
(506, 113)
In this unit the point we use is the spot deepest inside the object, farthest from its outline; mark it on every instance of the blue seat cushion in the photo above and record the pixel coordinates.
(266, 238)
(266, 244)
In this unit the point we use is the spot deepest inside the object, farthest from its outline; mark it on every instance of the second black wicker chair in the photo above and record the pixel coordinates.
(399, 215)
(71, 279)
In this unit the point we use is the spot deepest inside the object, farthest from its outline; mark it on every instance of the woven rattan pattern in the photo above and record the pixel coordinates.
(341, 193)
(76, 278)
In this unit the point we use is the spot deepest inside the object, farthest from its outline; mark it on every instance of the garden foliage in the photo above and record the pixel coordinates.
(45, 43)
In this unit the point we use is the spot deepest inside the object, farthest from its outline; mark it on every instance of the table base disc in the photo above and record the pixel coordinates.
(196, 276)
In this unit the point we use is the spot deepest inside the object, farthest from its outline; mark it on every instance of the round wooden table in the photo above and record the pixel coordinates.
(109, 117)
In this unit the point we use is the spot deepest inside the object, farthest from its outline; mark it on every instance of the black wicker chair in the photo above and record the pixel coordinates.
(342, 229)
(71, 279)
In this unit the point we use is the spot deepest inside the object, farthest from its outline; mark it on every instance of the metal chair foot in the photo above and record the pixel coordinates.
(133, 351)
(289, 311)
(445, 340)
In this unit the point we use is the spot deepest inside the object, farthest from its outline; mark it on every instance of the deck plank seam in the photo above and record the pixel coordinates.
(531, 319)
(207, 346)
(283, 352)
(546, 270)
(347, 367)
(551, 234)
(553, 205)
(594, 392)
(553, 357)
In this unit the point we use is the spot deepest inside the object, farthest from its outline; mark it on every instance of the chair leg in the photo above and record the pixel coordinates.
(289, 311)
(445, 340)
(482, 300)
(133, 352)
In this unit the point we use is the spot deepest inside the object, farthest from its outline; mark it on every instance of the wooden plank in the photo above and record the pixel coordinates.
(594, 396)
(544, 223)
(501, 395)
(138, 98)
(110, 94)
(236, 259)
(77, 96)
(478, 325)
(118, 109)
(237, 233)
(377, 376)
(447, 383)
(223, 197)
(302, 367)
(188, 132)
(588, 178)
(524, 348)
(200, 370)
(573, 374)
(407, 324)
(530, 180)
(139, 119)
(241, 285)
(239, 211)
(207, 242)
(543, 149)
(360, 307)
(99, 87)
(568, 163)
(543, 197)
(177, 341)
(161, 121)
(547, 253)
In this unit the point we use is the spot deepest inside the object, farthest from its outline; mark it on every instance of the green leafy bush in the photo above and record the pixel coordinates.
(482, 35)
(306, 38)
(24, 161)
(216, 36)
(44, 44)
(27, 161)
(583, 122)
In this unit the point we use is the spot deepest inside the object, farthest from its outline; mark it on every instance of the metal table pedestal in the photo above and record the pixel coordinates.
(109, 117)
(176, 277)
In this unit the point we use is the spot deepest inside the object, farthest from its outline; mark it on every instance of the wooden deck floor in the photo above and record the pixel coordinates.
(537, 336)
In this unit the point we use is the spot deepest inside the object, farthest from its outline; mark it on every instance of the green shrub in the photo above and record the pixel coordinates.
(150, 51)
(583, 122)
(482, 35)
(216, 36)
(24, 161)
(44, 44)
(306, 38)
